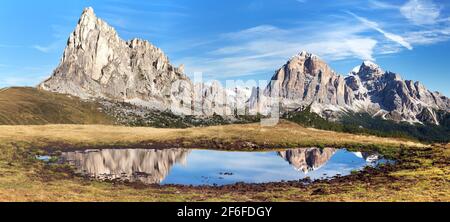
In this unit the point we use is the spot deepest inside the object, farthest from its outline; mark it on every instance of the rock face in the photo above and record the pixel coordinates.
(307, 80)
(387, 95)
(98, 64)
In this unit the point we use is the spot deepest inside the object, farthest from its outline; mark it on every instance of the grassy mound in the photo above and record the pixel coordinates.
(30, 106)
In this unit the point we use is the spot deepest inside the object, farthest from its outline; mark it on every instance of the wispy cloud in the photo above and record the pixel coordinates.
(60, 34)
(421, 12)
(160, 20)
(428, 26)
(428, 37)
(264, 48)
(375, 4)
(391, 36)
(48, 48)
(418, 12)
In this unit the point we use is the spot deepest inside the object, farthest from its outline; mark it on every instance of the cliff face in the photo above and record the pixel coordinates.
(98, 64)
(387, 95)
(307, 80)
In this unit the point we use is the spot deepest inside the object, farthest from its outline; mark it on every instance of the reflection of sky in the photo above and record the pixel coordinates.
(204, 167)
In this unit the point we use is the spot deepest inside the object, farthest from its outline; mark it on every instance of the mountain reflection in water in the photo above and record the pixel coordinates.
(309, 159)
(205, 167)
(147, 166)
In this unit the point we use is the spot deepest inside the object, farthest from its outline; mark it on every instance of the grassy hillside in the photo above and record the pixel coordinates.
(29, 106)
(361, 123)
(236, 136)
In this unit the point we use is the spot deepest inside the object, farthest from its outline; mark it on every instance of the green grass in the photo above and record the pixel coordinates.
(362, 123)
(29, 106)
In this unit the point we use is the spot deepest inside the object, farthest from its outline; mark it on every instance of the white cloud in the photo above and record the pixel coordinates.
(391, 36)
(375, 4)
(421, 12)
(265, 48)
(46, 49)
(427, 37)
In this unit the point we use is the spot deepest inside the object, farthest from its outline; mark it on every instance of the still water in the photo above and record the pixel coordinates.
(207, 167)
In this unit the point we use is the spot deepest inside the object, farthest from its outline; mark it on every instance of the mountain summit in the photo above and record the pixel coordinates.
(306, 80)
(98, 64)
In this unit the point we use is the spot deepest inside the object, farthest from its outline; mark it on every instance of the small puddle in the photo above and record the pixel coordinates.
(207, 167)
(44, 158)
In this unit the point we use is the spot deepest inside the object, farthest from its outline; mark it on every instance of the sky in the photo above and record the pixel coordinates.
(240, 39)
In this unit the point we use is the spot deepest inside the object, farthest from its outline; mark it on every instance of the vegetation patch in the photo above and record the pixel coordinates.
(30, 106)
(363, 123)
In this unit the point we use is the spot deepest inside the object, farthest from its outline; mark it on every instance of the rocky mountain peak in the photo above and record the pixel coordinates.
(369, 69)
(88, 14)
(97, 63)
(306, 63)
(306, 55)
(306, 80)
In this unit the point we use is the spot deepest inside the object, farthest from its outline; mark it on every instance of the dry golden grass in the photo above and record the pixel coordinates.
(25, 179)
(32, 181)
(284, 134)
(19, 105)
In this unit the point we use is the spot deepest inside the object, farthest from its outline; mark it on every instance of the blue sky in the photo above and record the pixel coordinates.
(240, 39)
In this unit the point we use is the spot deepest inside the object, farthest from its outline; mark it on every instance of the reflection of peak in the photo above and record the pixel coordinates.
(147, 166)
(307, 160)
(369, 157)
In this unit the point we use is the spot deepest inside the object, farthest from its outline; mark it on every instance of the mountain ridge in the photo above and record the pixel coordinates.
(98, 64)
(306, 80)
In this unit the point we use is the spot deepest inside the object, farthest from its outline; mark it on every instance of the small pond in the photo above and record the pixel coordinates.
(208, 167)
